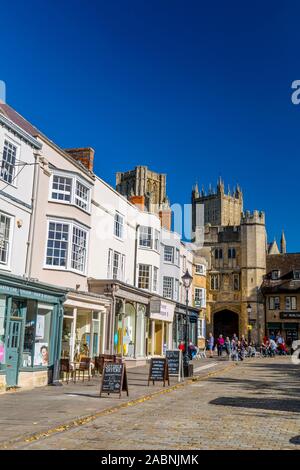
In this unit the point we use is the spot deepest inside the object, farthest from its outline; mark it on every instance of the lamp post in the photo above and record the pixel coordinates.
(249, 310)
(187, 281)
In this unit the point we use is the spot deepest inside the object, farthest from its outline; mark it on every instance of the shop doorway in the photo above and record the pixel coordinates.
(158, 338)
(13, 345)
(12, 352)
(226, 323)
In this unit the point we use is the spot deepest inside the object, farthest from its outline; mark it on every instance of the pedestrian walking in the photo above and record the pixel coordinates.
(210, 344)
(228, 346)
(234, 351)
(235, 338)
(243, 345)
(220, 345)
(240, 351)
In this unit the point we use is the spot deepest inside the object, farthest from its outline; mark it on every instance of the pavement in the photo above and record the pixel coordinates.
(253, 404)
(29, 415)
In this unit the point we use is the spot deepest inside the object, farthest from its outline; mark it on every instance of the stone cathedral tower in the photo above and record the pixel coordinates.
(147, 189)
(235, 249)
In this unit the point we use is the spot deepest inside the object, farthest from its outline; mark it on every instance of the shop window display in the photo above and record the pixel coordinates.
(37, 334)
(2, 330)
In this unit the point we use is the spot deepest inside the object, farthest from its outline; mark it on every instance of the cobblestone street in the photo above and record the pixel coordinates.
(254, 405)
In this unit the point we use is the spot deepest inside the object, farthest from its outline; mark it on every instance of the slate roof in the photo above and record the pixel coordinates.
(16, 118)
(285, 263)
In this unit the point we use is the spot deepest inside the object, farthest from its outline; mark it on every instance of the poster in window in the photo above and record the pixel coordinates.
(41, 354)
(2, 352)
(40, 326)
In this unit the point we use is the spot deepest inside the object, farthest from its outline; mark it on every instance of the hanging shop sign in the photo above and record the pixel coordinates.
(161, 310)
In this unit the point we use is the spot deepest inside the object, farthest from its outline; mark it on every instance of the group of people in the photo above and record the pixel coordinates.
(273, 345)
(235, 348)
(238, 349)
(192, 349)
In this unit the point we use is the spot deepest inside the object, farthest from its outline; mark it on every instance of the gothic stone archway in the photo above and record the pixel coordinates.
(226, 323)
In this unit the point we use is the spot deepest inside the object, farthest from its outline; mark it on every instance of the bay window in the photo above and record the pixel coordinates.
(148, 238)
(70, 189)
(61, 188)
(145, 237)
(66, 246)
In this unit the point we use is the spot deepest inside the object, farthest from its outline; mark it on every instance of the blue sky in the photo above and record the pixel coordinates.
(193, 89)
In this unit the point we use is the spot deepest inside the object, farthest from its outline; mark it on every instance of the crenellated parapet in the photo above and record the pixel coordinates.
(255, 217)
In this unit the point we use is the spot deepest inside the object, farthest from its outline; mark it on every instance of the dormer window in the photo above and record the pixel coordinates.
(70, 189)
(275, 274)
(297, 274)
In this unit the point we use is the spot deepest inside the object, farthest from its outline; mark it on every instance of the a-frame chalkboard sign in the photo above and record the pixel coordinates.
(175, 363)
(159, 371)
(114, 379)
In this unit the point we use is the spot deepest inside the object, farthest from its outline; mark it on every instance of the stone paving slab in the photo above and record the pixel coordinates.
(23, 413)
(255, 405)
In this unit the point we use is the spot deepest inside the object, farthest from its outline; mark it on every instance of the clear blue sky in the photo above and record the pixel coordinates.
(191, 88)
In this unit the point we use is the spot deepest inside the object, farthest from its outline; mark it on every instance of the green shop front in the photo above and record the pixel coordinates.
(31, 315)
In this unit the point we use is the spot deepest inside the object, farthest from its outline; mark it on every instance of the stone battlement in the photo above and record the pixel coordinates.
(255, 217)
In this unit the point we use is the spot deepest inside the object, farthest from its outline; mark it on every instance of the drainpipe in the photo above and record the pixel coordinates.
(28, 264)
(135, 253)
(57, 347)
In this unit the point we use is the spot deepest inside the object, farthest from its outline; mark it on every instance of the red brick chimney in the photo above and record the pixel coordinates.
(84, 155)
(165, 216)
(138, 201)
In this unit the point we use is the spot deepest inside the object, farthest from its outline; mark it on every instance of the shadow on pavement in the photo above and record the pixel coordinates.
(267, 404)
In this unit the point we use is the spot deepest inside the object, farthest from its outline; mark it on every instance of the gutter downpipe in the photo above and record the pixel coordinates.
(135, 253)
(28, 264)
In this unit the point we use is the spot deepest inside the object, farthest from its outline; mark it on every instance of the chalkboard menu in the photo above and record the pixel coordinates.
(114, 379)
(175, 365)
(159, 371)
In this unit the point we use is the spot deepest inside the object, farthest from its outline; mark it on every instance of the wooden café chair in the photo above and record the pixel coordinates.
(84, 365)
(67, 369)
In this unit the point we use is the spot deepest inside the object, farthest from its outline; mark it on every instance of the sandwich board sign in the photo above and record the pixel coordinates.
(159, 371)
(114, 379)
(175, 363)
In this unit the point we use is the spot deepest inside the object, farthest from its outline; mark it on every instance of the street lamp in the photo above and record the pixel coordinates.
(187, 282)
(249, 310)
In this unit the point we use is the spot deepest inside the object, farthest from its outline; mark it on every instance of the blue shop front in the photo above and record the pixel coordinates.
(31, 316)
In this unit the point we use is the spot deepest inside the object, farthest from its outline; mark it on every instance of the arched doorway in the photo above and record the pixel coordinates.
(226, 323)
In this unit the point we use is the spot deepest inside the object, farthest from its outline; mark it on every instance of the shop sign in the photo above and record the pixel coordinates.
(27, 293)
(160, 310)
(175, 363)
(114, 379)
(159, 371)
(290, 315)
